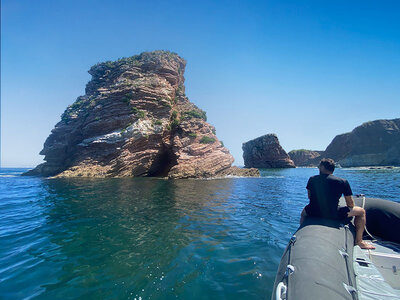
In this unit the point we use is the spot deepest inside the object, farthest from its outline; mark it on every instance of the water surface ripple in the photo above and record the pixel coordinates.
(150, 238)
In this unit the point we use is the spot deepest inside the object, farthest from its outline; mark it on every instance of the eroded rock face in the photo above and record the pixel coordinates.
(375, 143)
(305, 158)
(134, 120)
(265, 152)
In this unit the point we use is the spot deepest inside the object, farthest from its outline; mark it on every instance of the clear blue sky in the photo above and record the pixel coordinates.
(305, 70)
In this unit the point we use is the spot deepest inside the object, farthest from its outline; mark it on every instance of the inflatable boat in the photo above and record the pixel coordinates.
(321, 261)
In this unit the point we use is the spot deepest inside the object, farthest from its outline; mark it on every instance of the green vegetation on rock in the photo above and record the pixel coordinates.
(174, 117)
(127, 99)
(175, 123)
(136, 60)
(140, 114)
(207, 140)
(299, 151)
(199, 114)
(124, 129)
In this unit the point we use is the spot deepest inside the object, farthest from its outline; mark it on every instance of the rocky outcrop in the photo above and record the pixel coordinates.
(236, 171)
(375, 143)
(135, 120)
(305, 158)
(265, 152)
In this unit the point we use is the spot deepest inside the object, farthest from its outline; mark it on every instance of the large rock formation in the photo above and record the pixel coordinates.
(265, 152)
(305, 158)
(135, 120)
(375, 143)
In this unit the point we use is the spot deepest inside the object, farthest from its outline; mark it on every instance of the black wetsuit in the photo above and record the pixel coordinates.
(325, 191)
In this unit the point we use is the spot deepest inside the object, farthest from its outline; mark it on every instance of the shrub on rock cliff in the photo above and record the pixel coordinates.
(199, 114)
(207, 140)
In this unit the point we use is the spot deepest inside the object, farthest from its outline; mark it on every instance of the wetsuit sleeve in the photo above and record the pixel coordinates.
(347, 189)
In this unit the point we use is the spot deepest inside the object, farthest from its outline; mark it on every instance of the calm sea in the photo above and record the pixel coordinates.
(149, 238)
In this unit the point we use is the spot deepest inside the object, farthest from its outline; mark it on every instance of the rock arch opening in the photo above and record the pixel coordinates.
(165, 160)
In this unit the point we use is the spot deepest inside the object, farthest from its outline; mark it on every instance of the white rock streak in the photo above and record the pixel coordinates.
(137, 130)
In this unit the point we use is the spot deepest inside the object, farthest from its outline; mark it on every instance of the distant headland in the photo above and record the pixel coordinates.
(374, 143)
(135, 120)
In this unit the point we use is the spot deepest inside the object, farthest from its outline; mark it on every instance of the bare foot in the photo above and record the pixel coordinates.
(365, 245)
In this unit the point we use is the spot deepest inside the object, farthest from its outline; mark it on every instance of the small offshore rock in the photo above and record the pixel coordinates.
(265, 152)
(241, 172)
(305, 158)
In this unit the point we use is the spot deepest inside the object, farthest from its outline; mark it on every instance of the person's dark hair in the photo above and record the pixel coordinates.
(328, 164)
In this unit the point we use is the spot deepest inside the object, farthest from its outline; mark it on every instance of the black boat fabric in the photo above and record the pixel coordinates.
(383, 218)
(321, 257)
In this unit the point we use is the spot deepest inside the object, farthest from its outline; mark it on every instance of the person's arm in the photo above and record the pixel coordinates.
(308, 187)
(348, 195)
(349, 201)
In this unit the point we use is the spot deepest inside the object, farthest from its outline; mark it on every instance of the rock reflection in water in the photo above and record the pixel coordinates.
(129, 233)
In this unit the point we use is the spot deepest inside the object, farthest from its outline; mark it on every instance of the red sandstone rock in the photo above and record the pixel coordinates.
(375, 143)
(265, 152)
(134, 120)
(305, 158)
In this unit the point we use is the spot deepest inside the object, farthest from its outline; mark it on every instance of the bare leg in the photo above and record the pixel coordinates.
(359, 222)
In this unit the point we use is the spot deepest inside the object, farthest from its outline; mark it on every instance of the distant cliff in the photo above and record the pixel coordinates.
(305, 158)
(135, 120)
(265, 152)
(375, 143)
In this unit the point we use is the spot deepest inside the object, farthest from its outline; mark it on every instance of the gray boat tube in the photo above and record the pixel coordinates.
(317, 263)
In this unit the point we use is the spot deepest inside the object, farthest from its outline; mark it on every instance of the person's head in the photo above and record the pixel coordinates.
(326, 166)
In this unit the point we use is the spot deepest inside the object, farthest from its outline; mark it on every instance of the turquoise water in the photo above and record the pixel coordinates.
(149, 238)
